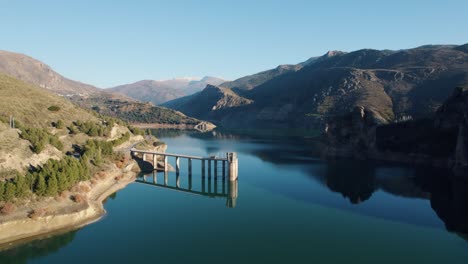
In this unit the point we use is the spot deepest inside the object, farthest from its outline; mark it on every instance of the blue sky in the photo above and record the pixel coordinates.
(107, 43)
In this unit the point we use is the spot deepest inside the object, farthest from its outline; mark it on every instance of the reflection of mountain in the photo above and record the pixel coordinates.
(449, 198)
(38, 248)
(356, 184)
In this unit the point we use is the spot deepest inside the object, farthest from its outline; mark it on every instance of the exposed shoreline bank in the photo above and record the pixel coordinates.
(25, 228)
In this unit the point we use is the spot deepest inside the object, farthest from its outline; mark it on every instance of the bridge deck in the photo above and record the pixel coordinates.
(177, 155)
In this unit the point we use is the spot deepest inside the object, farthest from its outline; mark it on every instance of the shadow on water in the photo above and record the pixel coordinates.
(23, 253)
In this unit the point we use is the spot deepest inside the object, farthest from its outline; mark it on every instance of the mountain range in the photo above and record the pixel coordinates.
(158, 92)
(37, 73)
(396, 85)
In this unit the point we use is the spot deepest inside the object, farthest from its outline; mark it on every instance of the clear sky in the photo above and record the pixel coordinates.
(107, 43)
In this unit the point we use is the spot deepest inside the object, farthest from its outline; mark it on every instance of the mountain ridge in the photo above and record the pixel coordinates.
(396, 84)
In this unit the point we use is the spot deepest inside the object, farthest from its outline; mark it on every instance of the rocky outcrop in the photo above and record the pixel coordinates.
(453, 115)
(441, 140)
(353, 134)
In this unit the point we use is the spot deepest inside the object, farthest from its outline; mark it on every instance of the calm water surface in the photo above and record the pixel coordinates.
(291, 207)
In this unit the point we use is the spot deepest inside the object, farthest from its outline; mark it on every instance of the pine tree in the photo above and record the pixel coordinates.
(10, 191)
(52, 188)
(2, 191)
(41, 187)
(21, 186)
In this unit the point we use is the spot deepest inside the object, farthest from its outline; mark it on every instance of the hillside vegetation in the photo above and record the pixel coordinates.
(55, 144)
(34, 106)
(134, 112)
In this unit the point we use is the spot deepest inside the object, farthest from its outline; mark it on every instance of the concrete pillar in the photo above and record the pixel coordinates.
(203, 184)
(215, 168)
(224, 187)
(190, 166)
(177, 164)
(190, 182)
(232, 194)
(166, 168)
(155, 161)
(203, 168)
(209, 168)
(233, 166)
(215, 186)
(209, 184)
(224, 169)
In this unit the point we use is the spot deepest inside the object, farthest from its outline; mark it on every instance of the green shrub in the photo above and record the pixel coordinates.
(59, 124)
(54, 108)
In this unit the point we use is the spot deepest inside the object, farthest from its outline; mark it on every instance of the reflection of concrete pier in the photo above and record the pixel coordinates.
(210, 187)
(231, 159)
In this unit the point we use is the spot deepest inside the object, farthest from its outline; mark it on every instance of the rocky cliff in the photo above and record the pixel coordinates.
(440, 140)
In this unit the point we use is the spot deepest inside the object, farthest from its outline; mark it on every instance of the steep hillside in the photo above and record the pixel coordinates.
(30, 70)
(249, 82)
(394, 84)
(34, 106)
(158, 92)
(135, 112)
(46, 126)
(211, 103)
(440, 140)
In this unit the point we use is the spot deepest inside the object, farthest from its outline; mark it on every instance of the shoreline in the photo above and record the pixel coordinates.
(163, 126)
(25, 229)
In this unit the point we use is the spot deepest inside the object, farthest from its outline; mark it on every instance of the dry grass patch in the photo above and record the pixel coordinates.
(36, 213)
(79, 198)
(7, 208)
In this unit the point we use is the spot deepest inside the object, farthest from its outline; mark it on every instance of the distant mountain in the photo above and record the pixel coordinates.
(32, 71)
(39, 74)
(158, 92)
(393, 84)
(251, 81)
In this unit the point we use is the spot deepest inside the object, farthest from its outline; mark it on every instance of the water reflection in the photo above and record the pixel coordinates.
(35, 249)
(211, 187)
(448, 196)
(357, 181)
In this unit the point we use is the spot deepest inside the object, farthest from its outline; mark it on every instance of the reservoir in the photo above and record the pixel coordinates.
(291, 206)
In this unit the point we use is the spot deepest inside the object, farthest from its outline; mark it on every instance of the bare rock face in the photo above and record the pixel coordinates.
(441, 140)
(453, 115)
(354, 133)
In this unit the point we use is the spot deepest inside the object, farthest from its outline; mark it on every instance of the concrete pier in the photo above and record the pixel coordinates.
(177, 164)
(233, 166)
(231, 169)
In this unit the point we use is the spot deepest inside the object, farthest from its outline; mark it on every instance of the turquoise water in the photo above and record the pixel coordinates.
(291, 207)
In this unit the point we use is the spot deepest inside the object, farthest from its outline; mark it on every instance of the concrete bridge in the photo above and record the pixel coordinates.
(211, 167)
(230, 159)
